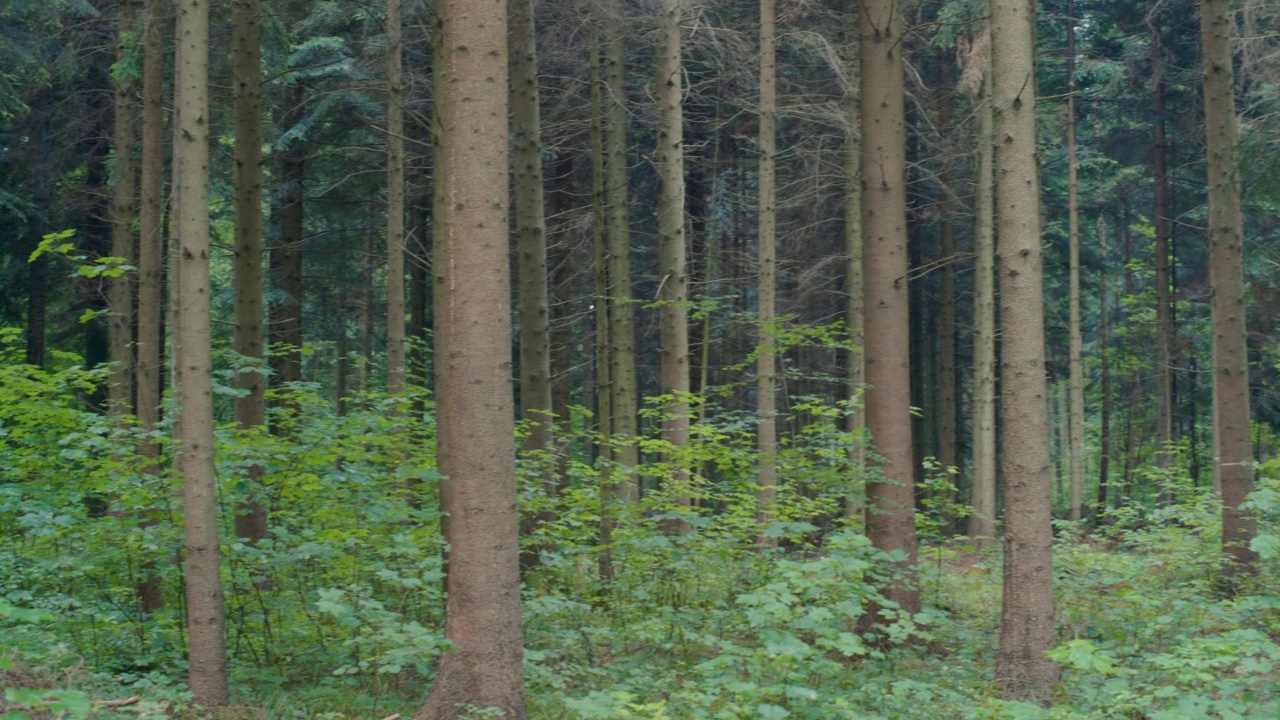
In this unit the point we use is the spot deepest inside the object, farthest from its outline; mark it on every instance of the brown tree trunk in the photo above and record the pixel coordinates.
(1226, 276)
(1104, 367)
(947, 403)
(1075, 404)
(767, 279)
(890, 510)
(251, 516)
(673, 295)
(857, 417)
(531, 234)
(206, 612)
(484, 667)
(120, 293)
(982, 523)
(1026, 631)
(395, 204)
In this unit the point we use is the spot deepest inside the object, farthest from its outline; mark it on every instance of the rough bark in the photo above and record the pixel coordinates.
(947, 400)
(206, 613)
(622, 360)
(531, 232)
(673, 295)
(120, 293)
(767, 278)
(1104, 365)
(1026, 632)
(856, 419)
(250, 407)
(1075, 352)
(1226, 275)
(982, 523)
(890, 498)
(603, 348)
(395, 203)
(484, 667)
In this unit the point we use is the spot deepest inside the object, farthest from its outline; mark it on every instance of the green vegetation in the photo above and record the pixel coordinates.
(339, 614)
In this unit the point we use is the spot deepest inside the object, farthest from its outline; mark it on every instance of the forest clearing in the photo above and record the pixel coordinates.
(655, 359)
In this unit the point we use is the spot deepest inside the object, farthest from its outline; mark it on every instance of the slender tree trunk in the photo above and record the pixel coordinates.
(674, 292)
(251, 411)
(946, 354)
(395, 203)
(1104, 368)
(1226, 276)
(562, 254)
(150, 345)
(120, 297)
(856, 421)
(622, 371)
(484, 668)
(531, 231)
(1162, 223)
(1075, 409)
(982, 523)
(767, 279)
(603, 308)
(1027, 631)
(206, 612)
(890, 514)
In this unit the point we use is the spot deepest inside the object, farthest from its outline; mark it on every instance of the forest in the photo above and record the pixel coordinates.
(654, 359)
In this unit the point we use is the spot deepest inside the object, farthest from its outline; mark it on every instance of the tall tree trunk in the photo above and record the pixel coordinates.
(150, 346)
(1075, 409)
(531, 232)
(1026, 631)
(251, 516)
(120, 297)
(1228, 304)
(890, 513)
(484, 668)
(946, 353)
(206, 612)
(982, 523)
(767, 279)
(603, 348)
(1163, 232)
(622, 371)
(856, 419)
(1104, 368)
(673, 294)
(395, 204)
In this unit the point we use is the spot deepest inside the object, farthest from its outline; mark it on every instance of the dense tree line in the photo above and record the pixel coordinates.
(935, 273)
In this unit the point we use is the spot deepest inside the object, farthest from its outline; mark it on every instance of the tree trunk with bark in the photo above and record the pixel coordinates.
(673, 295)
(395, 203)
(890, 513)
(250, 336)
(120, 293)
(1228, 305)
(206, 611)
(1163, 231)
(767, 279)
(484, 668)
(1075, 352)
(1027, 630)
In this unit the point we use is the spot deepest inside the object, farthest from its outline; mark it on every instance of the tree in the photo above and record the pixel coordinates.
(395, 203)
(982, 523)
(766, 362)
(1026, 629)
(1232, 451)
(531, 232)
(890, 497)
(120, 298)
(250, 336)
(484, 667)
(206, 612)
(674, 281)
(1075, 410)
